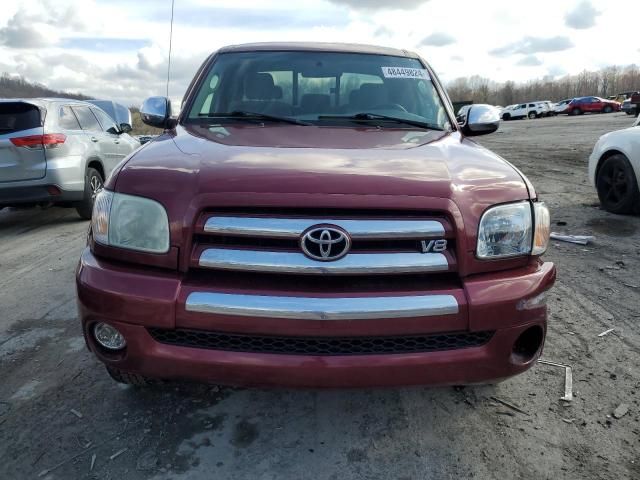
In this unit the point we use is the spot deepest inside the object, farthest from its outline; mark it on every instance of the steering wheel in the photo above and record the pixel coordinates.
(390, 106)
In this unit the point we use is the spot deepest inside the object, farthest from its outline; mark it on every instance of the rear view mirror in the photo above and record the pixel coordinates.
(125, 128)
(481, 119)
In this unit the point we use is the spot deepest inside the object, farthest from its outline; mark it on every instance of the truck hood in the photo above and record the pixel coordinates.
(281, 159)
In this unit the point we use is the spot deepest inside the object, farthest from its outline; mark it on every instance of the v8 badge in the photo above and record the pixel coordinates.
(433, 246)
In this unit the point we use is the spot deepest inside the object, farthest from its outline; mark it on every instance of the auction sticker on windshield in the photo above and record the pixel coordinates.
(402, 72)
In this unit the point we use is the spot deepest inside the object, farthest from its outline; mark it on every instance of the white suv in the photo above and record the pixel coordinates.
(525, 110)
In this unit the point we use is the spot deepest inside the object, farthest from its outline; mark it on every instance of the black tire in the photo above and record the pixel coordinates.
(128, 378)
(506, 117)
(617, 185)
(607, 109)
(575, 111)
(93, 183)
(532, 115)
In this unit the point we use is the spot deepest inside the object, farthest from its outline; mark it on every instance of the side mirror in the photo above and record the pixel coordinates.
(156, 112)
(125, 128)
(481, 120)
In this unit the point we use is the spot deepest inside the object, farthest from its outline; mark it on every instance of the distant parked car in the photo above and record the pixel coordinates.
(525, 110)
(627, 107)
(550, 112)
(562, 106)
(57, 151)
(614, 169)
(581, 105)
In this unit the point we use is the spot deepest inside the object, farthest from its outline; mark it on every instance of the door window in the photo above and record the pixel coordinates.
(108, 125)
(87, 119)
(68, 120)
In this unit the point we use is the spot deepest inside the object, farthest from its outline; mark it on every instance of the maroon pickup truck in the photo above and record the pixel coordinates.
(316, 217)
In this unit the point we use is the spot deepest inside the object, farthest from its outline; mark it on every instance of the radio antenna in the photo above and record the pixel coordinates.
(170, 40)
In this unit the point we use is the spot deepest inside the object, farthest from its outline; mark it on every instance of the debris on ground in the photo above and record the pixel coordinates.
(568, 379)
(509, 405)
(606, 332)
(76, 413)
(621, 411)
(117, 454)
(93, 462)
(578, 239)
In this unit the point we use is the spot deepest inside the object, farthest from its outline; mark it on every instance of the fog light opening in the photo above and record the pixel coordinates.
(527, 345)
(108, 337)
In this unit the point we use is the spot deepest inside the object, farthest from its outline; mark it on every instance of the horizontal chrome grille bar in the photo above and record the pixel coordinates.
(315, 308)
(297, 263)
(293, 227)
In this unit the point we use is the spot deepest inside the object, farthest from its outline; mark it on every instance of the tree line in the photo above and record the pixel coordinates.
(602, 83)
(18, 87)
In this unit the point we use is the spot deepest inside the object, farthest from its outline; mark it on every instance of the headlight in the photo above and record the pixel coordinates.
(513, 230)
(130, 222)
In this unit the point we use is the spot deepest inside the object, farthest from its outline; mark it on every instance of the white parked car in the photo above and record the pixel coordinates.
(614, 169)
(525, 110)
(562, 106)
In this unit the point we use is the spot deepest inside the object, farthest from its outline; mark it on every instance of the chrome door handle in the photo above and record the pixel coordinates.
(94, 139)
(117, 142)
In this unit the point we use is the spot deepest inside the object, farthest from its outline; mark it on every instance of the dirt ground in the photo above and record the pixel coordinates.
(59, 409)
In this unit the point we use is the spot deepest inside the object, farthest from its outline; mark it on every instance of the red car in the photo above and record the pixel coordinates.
(316, 217)
(581, 105)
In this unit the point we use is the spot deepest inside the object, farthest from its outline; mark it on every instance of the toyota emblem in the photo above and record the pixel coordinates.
(325, 243)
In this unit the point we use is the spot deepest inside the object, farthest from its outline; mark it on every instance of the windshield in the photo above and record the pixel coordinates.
(319, 88)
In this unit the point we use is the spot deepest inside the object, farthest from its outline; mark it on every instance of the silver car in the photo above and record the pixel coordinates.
(57, 151)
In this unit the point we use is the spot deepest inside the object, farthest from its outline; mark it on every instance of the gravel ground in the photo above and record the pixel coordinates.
(58, 408)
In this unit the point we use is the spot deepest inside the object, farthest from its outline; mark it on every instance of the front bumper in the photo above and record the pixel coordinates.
(135, 300)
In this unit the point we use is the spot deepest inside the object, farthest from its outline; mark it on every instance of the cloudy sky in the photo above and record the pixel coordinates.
(118, 48)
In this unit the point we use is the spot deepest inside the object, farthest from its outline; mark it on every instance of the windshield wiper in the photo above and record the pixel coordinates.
(241, 114)
(367, 117)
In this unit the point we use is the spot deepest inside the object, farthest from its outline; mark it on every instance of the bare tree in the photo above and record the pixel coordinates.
(607, 81)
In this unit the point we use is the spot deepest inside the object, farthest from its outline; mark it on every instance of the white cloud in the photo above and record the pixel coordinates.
(530, 45)
(380, 4)
(438, 39)
(529, 61)
(582, 16)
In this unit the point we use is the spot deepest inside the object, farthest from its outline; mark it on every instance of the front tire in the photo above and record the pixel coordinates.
(532, 115)
(93, 183)
(607, 109)
(506, 117)
(575, 111)
(617, 185)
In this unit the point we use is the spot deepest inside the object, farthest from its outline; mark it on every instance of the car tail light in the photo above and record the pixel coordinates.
(48, 140)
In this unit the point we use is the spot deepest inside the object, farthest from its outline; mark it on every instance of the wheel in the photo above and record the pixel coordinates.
(506, 117)
(617, 185)
(128, 378)
(93, 183)
(575, 111)
(607, 109)
(532, 115)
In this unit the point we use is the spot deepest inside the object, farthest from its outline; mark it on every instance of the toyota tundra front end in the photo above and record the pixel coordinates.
(316, 217)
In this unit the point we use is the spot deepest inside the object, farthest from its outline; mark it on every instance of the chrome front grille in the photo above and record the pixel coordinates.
(271, 244)
(293, 227)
